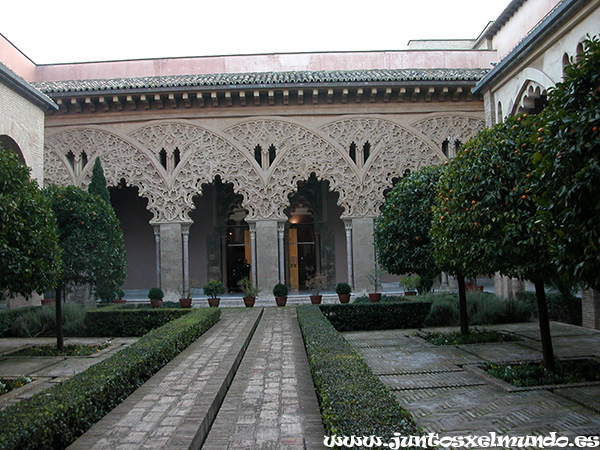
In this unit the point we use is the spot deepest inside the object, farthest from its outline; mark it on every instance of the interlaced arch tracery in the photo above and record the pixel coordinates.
(201, 154)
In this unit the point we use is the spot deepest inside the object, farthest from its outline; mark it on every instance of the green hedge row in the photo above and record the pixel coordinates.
(56, 417)
(353, 400)
(8, 316)
(114, 321)
(377, 316)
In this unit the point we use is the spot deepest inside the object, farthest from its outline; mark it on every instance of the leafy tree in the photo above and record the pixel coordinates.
(487, 220)
(402, 230)
(91, 240)
(29, 251)
(98, 184)
(568, 161)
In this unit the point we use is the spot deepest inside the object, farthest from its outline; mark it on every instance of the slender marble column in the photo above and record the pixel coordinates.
(348, 227)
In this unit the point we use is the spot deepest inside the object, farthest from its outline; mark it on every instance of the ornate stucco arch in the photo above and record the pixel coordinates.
(204, 154)
(300, 153)
(395, 148)
(451, 126)
(121, 159)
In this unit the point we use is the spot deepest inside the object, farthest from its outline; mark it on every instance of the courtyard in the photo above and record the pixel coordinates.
(246, 384)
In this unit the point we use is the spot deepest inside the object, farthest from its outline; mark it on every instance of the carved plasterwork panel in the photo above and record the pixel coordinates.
(120, 160)
(394, 149)
(453, 128)
(300, 152)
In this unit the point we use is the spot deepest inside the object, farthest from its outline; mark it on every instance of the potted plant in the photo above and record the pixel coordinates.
(185, 301)
(316, 283)
(410, 284)
(156, 296)
(374, 278)
(250, 291)
(280, 291)
(213, 289)
(120, 295)
(343, 291)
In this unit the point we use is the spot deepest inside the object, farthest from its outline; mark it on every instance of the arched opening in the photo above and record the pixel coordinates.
(219, 241)
(8, 143)
(138, 234)
(315, 235)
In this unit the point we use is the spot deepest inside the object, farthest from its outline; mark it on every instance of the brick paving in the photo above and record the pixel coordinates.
(271, 403)
(248, 374)
(437, 386)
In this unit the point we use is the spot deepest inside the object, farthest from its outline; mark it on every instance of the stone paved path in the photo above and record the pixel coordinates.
(268, 406)
(271, 403)
(437, 386)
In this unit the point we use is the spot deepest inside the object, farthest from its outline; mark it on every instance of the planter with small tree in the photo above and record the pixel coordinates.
(185, 301)
(374, 278)
(250, 291)
(120, 296)
(317, 282)
(343, 291)
(410, 284)
(213, 289)
(280, 291)
(156, 296)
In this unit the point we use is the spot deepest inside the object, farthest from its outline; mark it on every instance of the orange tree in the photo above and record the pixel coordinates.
(29, 251)
(402, 230)
(485, 219)
(568, 162)
(91, 240)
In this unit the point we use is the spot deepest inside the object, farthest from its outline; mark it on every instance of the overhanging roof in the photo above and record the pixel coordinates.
(26, 90)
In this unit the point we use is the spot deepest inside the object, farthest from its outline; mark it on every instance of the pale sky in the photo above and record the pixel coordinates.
(59, 31)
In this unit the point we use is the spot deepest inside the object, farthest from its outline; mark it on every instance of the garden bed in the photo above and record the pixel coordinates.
(9, 384)
(527, 374)
(475, 336)
(68, 350)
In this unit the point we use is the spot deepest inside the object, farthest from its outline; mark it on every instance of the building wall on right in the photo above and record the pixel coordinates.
(535, 42)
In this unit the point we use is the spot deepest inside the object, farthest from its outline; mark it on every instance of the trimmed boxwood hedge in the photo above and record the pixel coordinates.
(377, 316)
(118, 321)
(353, 400)
(54, 418)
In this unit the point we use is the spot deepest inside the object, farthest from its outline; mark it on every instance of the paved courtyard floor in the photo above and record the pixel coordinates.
(445, 392)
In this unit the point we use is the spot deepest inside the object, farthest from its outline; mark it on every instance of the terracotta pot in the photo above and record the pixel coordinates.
(156, 303)
(48, 301)
(410, 293)
(214, 302)
(375, 297)
(344, 298)
(281, 301)
(473, 288)
(120, 301)
(316, 299)
(185, 302)
(249, 301)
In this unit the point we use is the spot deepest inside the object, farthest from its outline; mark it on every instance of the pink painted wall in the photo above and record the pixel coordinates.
(16, 61)
(409, 59)
(519, 25)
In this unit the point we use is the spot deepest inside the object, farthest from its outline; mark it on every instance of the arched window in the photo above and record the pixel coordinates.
(258, 154)
(176, 157)
(352, 152)
(500, 116)
(272, 154)
(366, 151)
(163, 158)
(445, 148)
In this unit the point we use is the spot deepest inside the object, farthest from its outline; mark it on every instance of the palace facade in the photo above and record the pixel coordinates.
(276, 162)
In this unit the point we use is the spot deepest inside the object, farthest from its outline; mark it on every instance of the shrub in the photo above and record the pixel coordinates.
(56, 417)
(155, 294)
(8, 316)
(377, 316)
(214, 288)
(280, 290)
(353, 400)
(115, 321)
(482, 308)
(41, 321)
(560, 308)
(343, 289)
